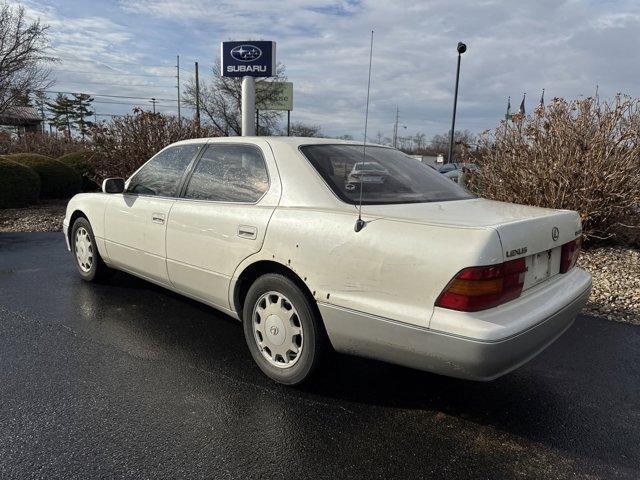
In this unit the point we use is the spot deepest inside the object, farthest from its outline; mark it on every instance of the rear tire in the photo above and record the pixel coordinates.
(283, 330)
(87, 259)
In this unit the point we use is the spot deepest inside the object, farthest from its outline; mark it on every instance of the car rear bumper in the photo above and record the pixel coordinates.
(445, 353)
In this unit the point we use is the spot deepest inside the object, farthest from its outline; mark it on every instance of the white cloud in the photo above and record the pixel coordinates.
(565, 46)
(97, 55)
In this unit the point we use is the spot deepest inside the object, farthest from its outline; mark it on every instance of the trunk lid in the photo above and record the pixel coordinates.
(531, 232)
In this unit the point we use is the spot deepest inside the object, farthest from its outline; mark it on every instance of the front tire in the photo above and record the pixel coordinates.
(283, 330)
(85, 251)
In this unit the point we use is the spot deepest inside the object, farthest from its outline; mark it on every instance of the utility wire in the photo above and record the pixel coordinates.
(116, 73)
(109, 62)
(120, 84)
(109, 96)
(142, 102)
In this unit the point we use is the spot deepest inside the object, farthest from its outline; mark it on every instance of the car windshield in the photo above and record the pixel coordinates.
(397, 177)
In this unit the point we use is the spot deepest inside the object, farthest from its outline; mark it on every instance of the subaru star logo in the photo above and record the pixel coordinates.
(555, 233)
(246, 53)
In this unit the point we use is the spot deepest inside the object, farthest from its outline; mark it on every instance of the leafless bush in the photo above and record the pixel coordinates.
(126, 142)
(582, 155)
(43, 144)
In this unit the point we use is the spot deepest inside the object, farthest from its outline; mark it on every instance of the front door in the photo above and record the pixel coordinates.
(136, 221)
(135, 228)
(221, 219)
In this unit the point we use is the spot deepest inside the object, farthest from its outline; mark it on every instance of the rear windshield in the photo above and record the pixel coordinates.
(385, 175)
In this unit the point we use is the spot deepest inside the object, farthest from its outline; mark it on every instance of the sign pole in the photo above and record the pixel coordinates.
(178, 75)
(288, 123)
(197, 99)
(248, 105)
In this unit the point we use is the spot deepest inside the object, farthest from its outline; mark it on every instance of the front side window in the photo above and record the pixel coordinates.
(384, 175)
(161, 175)
(229, 173)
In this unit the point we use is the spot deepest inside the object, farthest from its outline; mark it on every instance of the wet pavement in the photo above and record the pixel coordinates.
(124, 379)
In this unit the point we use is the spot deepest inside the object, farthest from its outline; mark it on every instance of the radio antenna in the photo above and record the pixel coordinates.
(361, 223)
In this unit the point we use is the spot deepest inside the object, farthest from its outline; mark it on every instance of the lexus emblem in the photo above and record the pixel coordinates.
(274, 330)
(555, 233)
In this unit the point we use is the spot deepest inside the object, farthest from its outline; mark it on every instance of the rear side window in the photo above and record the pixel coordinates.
(384, 175)
(229, 173)
(161, 175)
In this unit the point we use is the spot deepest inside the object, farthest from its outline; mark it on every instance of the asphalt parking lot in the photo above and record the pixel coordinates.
(124, 379)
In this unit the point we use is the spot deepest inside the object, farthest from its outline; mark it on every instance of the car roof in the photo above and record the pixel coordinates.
(290, 141)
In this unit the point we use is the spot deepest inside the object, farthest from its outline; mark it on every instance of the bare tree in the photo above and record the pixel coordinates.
(461, 141)
(299, 129)
(221, 100)
(419, 139)
(23, 61)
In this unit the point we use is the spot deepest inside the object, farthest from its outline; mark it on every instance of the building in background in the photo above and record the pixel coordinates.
(18, 120)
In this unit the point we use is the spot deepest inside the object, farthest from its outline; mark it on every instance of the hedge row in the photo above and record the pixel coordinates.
(81, 163)
(20, 185)
(26, 177)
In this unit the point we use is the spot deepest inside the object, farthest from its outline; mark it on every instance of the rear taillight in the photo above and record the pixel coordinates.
(570, 254)
(479, 288)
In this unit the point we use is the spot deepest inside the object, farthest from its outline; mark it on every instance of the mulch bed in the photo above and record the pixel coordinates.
(616, 283)
(45, 216)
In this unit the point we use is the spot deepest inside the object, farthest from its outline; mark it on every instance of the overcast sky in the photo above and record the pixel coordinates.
(566, 47)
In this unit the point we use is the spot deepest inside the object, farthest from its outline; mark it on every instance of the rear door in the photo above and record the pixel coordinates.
(135, 221)
(221, 218)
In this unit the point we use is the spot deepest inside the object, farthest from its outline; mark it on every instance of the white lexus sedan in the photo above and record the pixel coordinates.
(266, 230)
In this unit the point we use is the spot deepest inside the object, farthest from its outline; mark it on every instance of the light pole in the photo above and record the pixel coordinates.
(395, 128)
(461, 49)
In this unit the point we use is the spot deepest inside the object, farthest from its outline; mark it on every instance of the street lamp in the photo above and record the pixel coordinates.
(461, 49)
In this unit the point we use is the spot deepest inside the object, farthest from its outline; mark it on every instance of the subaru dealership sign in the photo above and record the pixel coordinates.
(248, 59)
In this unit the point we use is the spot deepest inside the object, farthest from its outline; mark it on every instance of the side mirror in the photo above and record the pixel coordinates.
(113, 185)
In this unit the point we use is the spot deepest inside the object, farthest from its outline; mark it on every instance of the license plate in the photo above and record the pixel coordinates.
(541, 266)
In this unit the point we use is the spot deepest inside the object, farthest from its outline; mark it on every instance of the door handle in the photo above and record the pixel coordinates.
(157, 218)
(247, 231)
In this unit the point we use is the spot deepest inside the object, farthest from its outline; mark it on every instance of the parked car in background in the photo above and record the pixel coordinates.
(448, 167)
(454, 171)
(369, 173)
(267, 230)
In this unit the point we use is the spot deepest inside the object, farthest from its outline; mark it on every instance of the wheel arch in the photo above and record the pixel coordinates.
(261, 267)
(77, 213)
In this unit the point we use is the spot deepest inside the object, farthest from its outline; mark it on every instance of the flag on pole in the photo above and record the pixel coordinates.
(521, 110)
(542, 99)
(507, 116)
